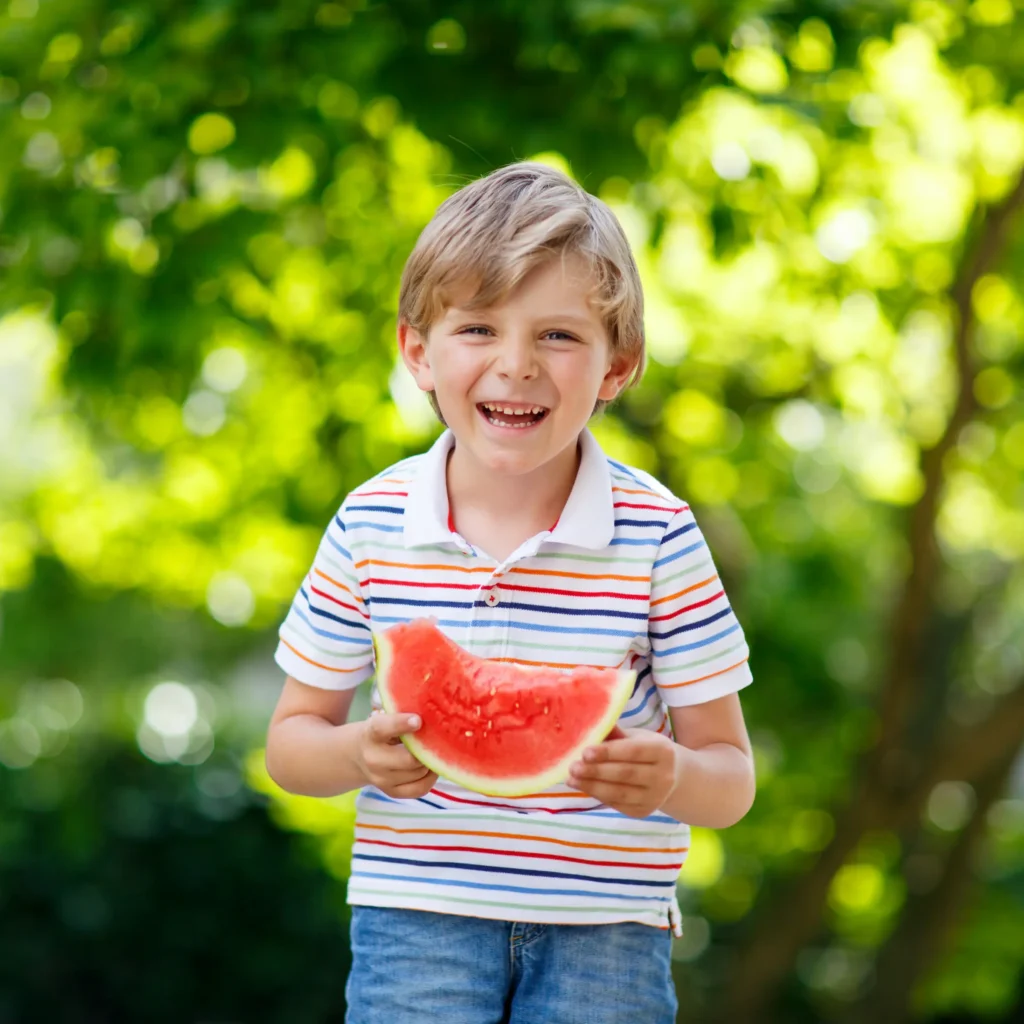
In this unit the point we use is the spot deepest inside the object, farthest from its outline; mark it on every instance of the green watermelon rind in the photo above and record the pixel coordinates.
(520, 785)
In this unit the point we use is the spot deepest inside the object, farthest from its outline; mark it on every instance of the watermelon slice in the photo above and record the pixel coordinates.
(493, 727)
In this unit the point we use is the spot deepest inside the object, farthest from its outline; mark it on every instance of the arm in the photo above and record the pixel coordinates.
(312, 750)
(714, 780)
(704, 777)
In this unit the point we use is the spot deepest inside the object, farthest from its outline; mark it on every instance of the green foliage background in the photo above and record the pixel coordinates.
(204, 212)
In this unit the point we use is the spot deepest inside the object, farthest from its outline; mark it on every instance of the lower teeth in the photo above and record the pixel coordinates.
(514, 426)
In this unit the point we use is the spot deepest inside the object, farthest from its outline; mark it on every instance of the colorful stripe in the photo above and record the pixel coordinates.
(651, 599)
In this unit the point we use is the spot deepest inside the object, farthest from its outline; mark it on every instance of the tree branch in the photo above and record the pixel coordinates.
(888, 770)
(929, 919)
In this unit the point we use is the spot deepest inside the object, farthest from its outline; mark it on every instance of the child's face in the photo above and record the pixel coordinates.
(545, 349)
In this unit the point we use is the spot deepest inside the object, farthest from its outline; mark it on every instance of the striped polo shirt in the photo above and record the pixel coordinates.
(624, 578)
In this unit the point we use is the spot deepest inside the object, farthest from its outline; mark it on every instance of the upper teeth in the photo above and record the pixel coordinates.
(509, 411)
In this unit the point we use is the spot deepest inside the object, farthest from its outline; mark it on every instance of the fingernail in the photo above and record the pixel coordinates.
(589, 755)
(414, 721)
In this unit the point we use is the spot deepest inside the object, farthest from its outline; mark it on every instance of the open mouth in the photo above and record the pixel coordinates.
(517, 416)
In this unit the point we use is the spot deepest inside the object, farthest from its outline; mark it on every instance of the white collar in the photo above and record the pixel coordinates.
(587, 521)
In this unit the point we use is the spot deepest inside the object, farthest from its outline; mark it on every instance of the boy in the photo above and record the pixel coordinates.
(520, 314)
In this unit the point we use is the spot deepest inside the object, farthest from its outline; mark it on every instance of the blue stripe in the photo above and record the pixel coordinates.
(692, 625)
(675, 533)
(338, 547)
(678, 554)
(636, 711)
(640, 679)
(640, 522)
(635, 541)
(375, 794)
(502, 870)
(632, 476)
(423, 603)
(341, 622)
(506, 888)
(375, 508)
(553, 610)
(457, 624)
(338, 520)
(378, 526)
(698, 643)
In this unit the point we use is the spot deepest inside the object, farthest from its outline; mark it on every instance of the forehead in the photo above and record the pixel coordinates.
(565, 284)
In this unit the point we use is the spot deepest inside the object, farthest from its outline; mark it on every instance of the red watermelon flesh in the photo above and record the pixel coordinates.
(494, 727)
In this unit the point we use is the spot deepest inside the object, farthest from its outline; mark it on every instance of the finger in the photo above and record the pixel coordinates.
(614, 794)
(413, 790)
(633, 749)
(396, 759)
(385, 728)
(614, 771)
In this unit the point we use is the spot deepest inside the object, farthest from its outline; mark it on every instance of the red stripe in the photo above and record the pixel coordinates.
(527, 853)
(424, 583)
(689, 607)
(350, 607)
(657, 508)
(393, 494)
(514, 807)
(573, 593)
(509, 586)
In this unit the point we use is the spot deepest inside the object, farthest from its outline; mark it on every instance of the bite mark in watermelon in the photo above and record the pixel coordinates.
(493, 727)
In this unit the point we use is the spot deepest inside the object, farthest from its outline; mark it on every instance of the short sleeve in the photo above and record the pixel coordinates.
(698, 650)
(325, 639)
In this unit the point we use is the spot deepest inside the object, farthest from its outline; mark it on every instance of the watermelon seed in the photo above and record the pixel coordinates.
(545, 709)
(426, 677)
(469, 732)
(493, 691)
(488, 725)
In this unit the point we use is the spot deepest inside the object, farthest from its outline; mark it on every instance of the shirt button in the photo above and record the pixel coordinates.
(492, 598)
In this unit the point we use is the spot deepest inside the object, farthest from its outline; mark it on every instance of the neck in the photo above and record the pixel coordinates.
(532, 501)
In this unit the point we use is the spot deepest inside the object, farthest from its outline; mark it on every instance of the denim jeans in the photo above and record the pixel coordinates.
(418, 967)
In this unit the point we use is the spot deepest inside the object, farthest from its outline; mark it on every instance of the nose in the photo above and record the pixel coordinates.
(517, 358)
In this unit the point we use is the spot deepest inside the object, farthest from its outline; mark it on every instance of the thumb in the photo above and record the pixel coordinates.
(387, 728)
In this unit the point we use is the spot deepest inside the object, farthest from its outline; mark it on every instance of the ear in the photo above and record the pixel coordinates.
(620, 369)
(413, 347)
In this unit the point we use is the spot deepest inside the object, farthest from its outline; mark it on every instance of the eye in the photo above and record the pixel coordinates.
(563, 336)
(472, 328)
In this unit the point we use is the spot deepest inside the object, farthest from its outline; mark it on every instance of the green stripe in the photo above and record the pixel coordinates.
(647, 721)
(325, 650)
(556, 647)
(590, 558)
(518, 905)
(439, 813)
(660, 669)
(343, 570)
(683, 572)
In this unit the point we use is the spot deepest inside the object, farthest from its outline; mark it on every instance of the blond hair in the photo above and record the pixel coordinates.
(495, 230)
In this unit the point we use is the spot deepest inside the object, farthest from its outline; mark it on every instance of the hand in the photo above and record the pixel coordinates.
(633, 771)
(385, 760)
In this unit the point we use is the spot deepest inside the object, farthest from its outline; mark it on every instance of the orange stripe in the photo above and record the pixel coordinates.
(650, 494)
(549, 796)
(690, 682)
(559, 664)
(330, 668)
(696, 586)
(581, 575)
(407, 565)
(512, 835)
(338, 583)
(541, 664)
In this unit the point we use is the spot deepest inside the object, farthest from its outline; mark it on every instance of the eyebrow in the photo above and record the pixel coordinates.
(457, 313)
